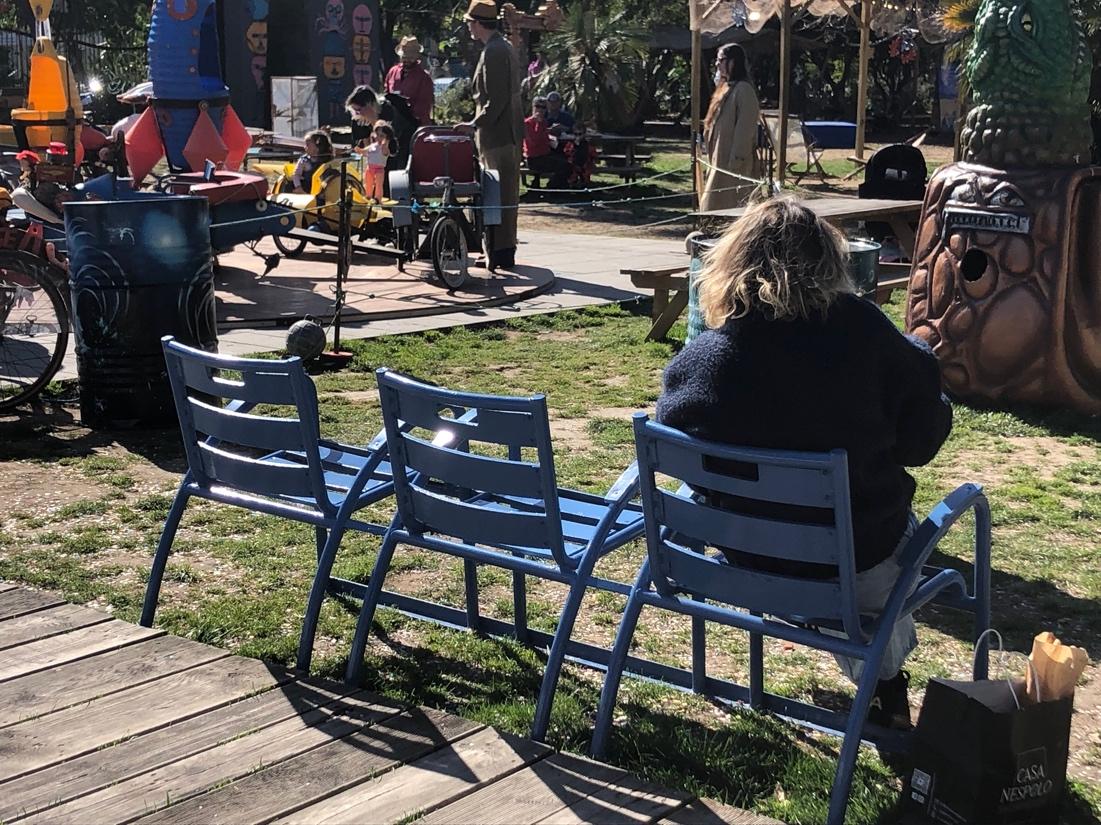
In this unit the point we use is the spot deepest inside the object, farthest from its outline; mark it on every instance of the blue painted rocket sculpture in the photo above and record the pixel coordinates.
(190, 120)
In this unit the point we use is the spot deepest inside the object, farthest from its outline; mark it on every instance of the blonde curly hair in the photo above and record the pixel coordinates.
(780, 259)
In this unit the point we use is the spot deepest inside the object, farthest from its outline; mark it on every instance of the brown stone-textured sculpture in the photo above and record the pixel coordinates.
(1006, 282)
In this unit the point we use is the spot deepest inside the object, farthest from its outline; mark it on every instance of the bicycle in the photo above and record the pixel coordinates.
(34, 325)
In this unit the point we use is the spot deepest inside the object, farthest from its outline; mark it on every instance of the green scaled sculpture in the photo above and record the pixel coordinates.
(1029, 73)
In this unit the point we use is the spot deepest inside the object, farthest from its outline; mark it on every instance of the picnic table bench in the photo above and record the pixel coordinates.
(666, 310)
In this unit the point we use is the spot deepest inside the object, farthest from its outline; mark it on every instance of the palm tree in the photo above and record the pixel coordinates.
(595, 62)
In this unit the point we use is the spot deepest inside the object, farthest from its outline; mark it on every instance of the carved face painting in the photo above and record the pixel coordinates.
(333, 18)
(363, 75)
(256, 36)
(362, 19)
(259, 68)
(361, 48)
(333, 67)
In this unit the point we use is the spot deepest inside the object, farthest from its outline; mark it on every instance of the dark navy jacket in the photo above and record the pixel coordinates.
(850, 380)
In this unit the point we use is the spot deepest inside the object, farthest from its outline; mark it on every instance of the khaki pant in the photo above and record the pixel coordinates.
(505, 161)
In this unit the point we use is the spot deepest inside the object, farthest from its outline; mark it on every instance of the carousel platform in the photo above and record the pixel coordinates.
(375, 289)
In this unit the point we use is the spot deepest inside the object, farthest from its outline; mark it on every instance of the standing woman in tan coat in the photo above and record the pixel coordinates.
(730, 134)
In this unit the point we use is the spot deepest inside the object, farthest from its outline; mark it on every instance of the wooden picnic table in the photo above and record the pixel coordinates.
(901, 216)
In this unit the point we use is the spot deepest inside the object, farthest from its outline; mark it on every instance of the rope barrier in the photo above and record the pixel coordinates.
(588, 189)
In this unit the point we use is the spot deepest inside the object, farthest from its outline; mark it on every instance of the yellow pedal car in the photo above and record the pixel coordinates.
(317, 212)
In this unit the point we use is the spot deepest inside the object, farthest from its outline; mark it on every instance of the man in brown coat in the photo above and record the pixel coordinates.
(498, 125)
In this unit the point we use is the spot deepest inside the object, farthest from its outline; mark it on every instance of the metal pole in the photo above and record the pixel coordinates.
(343, 253)
(697, 70)
(785, 101)
(862, 77)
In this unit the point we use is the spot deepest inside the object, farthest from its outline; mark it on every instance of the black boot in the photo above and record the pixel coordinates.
(890, 706)
(502, 258)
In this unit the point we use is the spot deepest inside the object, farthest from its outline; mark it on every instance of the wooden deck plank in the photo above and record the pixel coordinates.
(5, 586)
(39, 743)
(19, 601)
(627, 800)
(428, 783)
(709, 812)
(260, 797)
(535, 793)
(68, 647)
(49, 622)
(149, 792)
(60, 687)
(144, 753)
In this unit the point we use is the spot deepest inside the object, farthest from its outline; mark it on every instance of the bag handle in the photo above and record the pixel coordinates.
(1008, 681)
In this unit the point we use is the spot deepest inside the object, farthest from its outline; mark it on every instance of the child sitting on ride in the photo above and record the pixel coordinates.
(581, 155)
(319, 151)
(376, 153)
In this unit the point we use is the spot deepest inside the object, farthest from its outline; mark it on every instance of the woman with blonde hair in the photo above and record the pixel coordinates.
(730, 134)
(795, 360)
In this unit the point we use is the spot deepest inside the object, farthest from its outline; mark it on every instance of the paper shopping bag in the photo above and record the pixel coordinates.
(980, 759)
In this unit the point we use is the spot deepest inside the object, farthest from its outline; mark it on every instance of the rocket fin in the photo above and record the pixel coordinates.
(143, 145)
(236, 138)
(204, 143)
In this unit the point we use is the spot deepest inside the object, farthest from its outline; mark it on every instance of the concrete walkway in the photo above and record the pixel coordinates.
(587, 274)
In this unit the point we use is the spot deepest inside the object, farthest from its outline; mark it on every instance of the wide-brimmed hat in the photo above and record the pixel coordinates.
(410, 49)
(483, 10)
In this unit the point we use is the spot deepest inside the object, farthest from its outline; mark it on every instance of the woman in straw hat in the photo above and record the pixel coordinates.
(410, 79)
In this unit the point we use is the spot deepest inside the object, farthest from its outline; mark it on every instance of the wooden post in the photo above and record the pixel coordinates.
(862, 77)
(697, 69)
(785, 97)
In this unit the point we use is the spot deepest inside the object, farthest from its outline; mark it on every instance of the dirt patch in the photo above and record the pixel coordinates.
(1044, 454)
(37, 489)
(1085, 728)
(571, 434)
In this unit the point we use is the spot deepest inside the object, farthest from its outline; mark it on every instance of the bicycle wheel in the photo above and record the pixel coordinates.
(449, 252)
(290, 247)
(34, 326)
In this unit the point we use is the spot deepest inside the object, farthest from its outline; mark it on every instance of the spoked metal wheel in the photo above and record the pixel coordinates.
(290, 247)
(449, 252)
(34, 326)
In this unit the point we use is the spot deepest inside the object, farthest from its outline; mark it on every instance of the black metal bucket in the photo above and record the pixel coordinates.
(138, 270)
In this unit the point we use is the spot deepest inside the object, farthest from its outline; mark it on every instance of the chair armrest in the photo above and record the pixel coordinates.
(626, 483)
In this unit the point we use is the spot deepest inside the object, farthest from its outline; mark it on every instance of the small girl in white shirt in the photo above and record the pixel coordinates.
(376, 153)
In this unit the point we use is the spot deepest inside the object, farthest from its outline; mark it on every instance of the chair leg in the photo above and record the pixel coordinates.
(160, 557)
(318, 590)
(470, 582)
(614, 675)
(558, 648)
(699, 655)
(367, 611)
(982, 588)
(756, 669)
(850, 745)
(520, 605)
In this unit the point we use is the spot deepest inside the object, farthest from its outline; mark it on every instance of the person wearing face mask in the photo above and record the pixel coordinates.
(730, 134)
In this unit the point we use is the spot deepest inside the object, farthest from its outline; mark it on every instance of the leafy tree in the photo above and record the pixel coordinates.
(596, 61)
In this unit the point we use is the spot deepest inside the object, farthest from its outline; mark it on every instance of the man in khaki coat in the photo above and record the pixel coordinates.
(498, 125)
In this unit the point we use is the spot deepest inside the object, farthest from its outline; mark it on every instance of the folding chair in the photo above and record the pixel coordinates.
(268, 463)
(679, 576)
(474, 478)
(800, 145)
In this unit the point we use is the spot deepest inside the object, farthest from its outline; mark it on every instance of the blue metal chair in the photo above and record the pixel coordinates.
(465, 486)
(268, 463)
(677, 575)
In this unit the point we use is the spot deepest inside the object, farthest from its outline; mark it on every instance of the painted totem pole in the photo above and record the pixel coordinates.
(1006, 282)
(345, 52)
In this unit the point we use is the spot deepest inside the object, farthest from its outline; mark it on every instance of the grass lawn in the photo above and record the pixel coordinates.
(85, 510)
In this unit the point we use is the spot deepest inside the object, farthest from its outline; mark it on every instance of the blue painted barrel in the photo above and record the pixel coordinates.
(138, 270)
(698, 248)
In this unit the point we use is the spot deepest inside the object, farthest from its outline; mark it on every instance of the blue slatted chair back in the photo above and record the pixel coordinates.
(226, 441)
(806, 497)
(478, 468)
